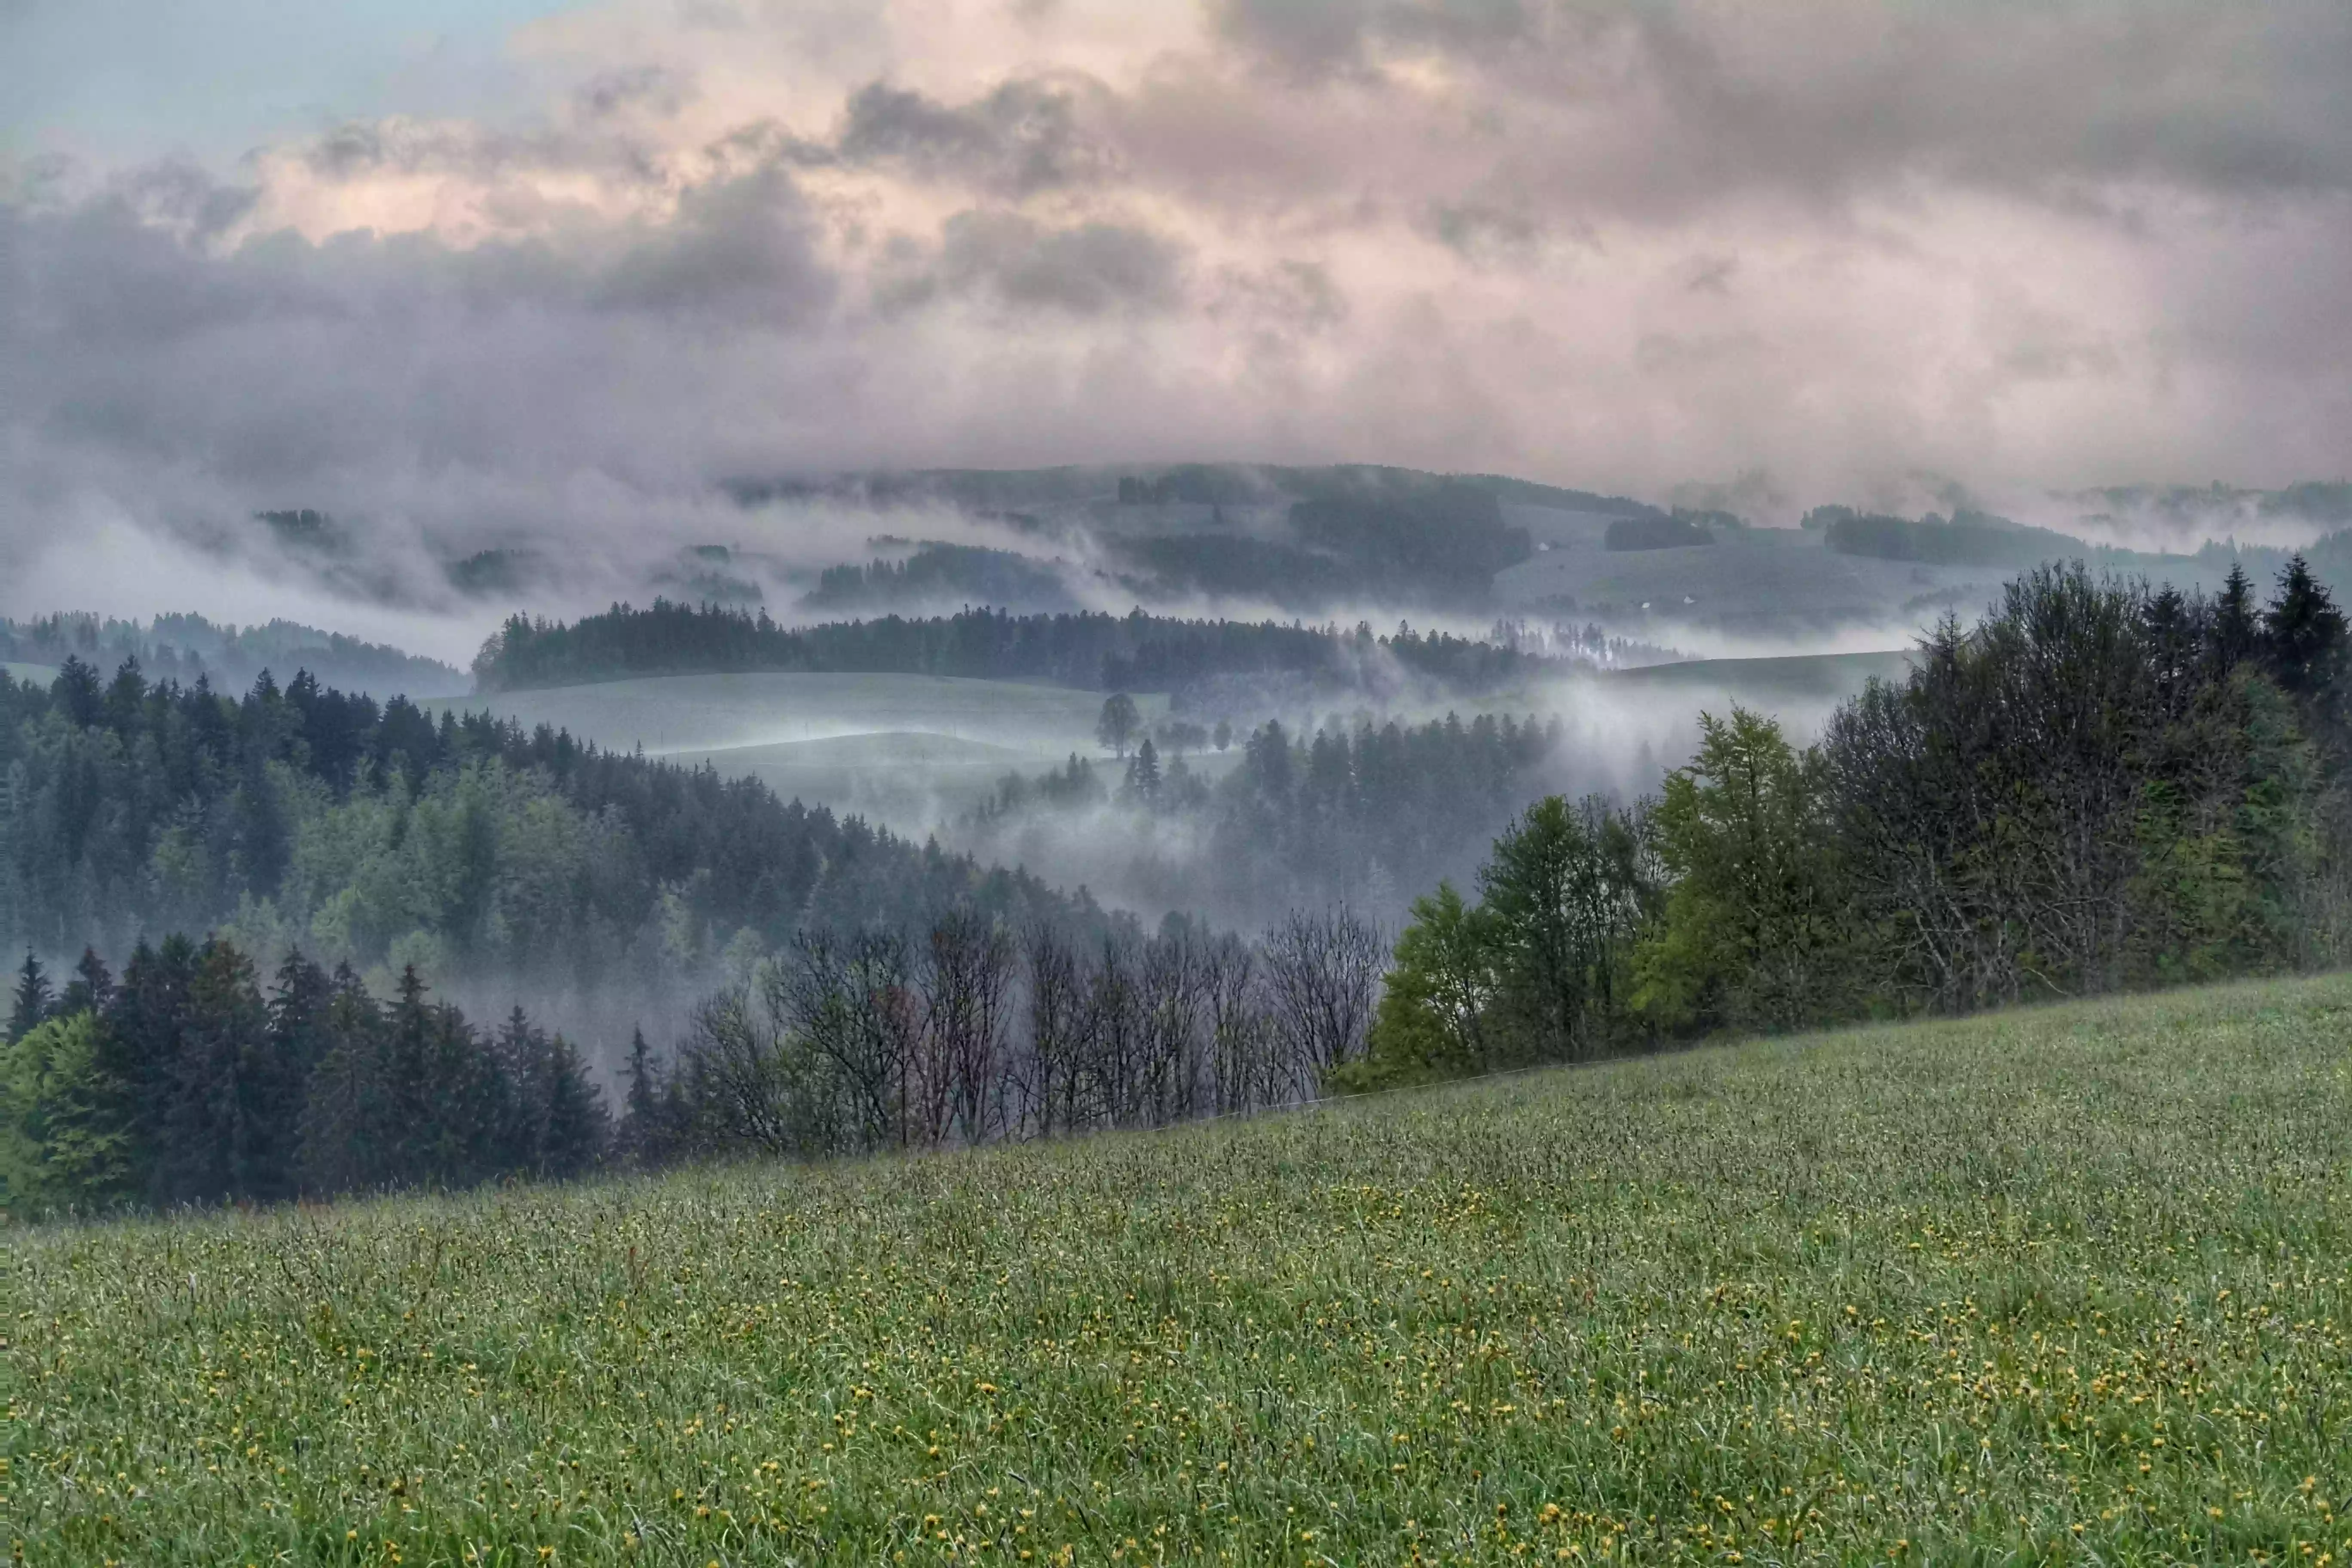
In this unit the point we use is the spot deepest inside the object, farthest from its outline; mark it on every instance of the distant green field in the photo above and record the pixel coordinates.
(1830, 676)
(896, 745)
(2067, 1285)
(41, 674)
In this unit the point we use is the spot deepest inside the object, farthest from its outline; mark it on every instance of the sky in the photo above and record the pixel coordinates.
(500, 268)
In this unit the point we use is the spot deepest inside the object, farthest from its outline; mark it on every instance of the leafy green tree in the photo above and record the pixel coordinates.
(1120, 722)
(1434, 1020)
(1568, 888)
(61, 1144)
(1752, 920)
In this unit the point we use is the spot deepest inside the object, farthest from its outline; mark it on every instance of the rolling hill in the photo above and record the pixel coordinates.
(903, 749)
(2065, 1284)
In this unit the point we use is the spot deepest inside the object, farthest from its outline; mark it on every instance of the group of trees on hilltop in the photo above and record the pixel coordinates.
(1135, 652)
(188, 1083)
(378, 836)
(936, 571)
(1441, 546)
(2097, 787)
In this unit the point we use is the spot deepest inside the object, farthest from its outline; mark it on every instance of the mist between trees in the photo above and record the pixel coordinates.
(2096, 787)
(185, 1083)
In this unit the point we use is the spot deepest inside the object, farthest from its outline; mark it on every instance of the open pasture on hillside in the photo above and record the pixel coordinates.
(2067, 1284)
(1814, 677)
(904, 748)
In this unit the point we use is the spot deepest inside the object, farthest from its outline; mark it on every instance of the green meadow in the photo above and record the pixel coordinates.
(2067, 1284)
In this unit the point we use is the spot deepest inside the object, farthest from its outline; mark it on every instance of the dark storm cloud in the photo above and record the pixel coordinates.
(1316, 35)
(1022, 137)
(1823, 98)
(1083, 269)
(739, 250)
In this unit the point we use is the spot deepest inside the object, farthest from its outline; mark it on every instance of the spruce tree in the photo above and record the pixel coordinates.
(349, 1131)
(31, 1001)
(209, 1146)
(644, 1138)
(91, 990)
(2234, 632)
(277, 1088)
(2303, 633)
(139, 1049)
(576, 1129)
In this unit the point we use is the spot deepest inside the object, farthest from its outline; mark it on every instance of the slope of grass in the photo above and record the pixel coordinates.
(1830, 676)
(693, 715)
(2066, 1284)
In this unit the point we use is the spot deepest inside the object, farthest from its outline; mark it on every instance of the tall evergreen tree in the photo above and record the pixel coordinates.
(350, 1128)
(577, 1129)
(30, 1000)
(210, 1142)
(276, 1087)
(91, 990)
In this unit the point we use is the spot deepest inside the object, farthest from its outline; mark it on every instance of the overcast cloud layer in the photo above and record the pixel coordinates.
(1620, 244)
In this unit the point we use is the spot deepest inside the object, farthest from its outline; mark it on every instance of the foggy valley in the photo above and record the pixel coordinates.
(1117, 781)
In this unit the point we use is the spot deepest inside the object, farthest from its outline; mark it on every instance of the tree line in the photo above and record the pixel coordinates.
(971, 1032)
(1135, 652)
(187, 1082)
(2099, 787)
(185, 648)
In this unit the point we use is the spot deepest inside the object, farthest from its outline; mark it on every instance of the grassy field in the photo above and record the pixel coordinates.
(2070, 1284)
(906, 750)
(41, 674)
(1820, 677)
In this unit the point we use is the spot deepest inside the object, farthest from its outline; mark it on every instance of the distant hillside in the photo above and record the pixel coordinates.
(1134, 652)
(186, 647)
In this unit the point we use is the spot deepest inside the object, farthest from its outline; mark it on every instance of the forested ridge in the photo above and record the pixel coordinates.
(187, 649)
(1135, 652)
(371, 834)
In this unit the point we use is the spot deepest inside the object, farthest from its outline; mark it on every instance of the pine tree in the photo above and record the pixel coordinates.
(348, 1139)
(277, 1088)
(31, 1007)
(139, 1049)
(209, 1143)
(2234, 634)
(1143, 773)
(2303, 633)
(644, 1139)
(91, 990)
(576, 1128)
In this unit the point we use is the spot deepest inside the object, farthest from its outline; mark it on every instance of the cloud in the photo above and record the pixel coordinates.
(1083, 270)
(1626, 245)
(1021, 138)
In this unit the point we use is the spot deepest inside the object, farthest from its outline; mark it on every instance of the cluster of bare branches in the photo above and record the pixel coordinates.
(969, 1033)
